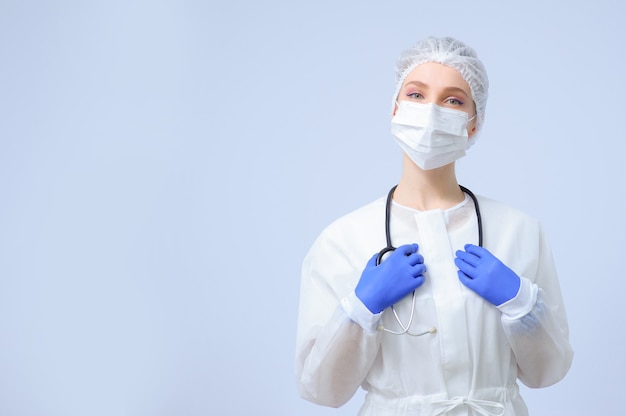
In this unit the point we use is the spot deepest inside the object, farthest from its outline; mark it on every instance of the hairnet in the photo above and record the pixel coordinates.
(455, 54)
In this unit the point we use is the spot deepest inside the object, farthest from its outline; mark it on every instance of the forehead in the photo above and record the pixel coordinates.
(437, 76)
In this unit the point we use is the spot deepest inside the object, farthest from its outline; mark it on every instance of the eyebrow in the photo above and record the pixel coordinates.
(446, 89)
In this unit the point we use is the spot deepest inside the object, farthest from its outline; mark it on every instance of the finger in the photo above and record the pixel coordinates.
(465, 279)
(464, 267)
(415, 258)
(419, 280)
(407, 249)
(476, 250)
(468, 258)
(372, 262)
(418, 270)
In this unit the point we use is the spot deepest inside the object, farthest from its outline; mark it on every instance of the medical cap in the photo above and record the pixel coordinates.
(455, 54)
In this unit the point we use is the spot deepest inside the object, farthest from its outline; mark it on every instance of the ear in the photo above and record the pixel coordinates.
(395, 108)
(471, 131)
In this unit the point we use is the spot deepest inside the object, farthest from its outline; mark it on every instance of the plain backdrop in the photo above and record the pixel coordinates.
(165, 166)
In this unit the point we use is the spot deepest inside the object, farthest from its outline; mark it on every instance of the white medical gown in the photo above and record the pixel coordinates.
(471, 364)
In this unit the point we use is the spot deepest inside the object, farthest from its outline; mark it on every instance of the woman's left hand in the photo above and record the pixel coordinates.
(482, 272)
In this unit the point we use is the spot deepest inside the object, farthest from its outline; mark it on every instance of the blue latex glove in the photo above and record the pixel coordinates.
(482, 272)
(383, 285)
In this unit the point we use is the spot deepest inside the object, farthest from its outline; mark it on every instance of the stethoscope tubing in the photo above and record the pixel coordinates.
(389, 248)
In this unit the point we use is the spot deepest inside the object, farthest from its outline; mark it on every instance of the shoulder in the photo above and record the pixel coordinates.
(509, 229)
(361, 217)
(358, 233)
(493, 210)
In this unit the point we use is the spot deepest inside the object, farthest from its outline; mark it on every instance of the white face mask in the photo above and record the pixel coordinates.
(430, 135)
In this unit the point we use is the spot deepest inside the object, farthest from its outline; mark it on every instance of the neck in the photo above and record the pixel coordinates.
(428, 189)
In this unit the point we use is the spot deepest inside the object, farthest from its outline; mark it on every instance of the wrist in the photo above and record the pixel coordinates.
(523, 301)
(358, 312)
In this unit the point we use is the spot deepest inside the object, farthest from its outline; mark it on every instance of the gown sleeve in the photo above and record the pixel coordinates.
(333, 352)
(540, 338)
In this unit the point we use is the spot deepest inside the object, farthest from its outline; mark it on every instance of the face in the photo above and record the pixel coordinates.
(439, 84)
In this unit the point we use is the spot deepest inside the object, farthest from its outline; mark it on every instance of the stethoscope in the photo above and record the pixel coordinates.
(390, 248)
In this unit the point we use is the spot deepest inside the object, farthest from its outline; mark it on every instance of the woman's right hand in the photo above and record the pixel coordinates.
(383, 285)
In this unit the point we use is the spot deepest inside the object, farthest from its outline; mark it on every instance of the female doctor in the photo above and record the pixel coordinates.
(462, 301)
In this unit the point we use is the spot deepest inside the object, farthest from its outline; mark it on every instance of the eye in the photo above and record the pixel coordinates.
(415, 95)
(454, 101)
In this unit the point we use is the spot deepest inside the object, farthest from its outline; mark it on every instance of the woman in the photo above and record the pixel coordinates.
(441, 325)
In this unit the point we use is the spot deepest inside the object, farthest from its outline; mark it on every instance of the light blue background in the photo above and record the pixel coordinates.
(165, 165)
